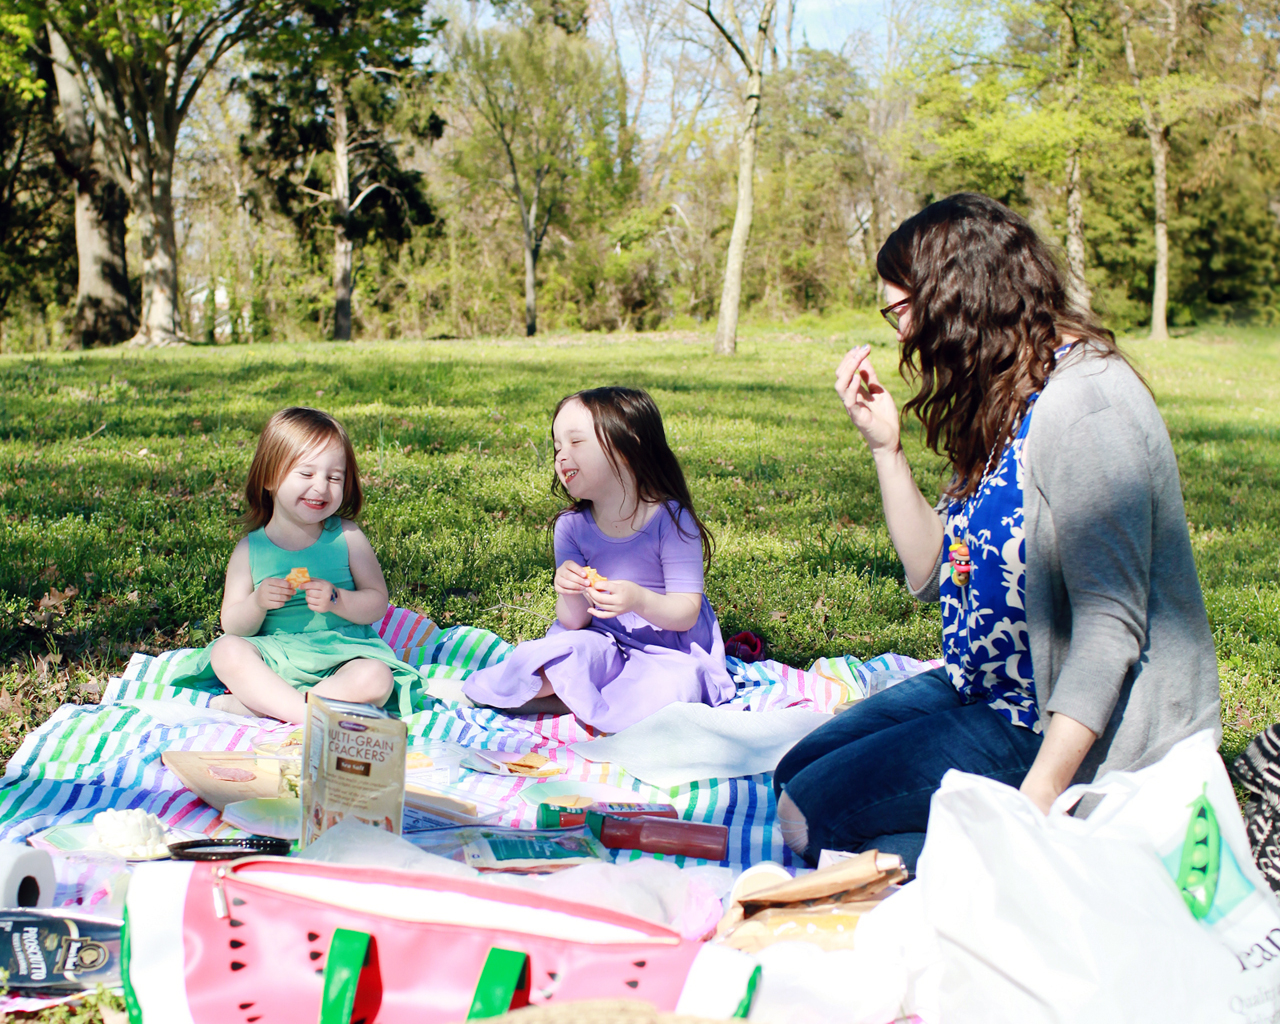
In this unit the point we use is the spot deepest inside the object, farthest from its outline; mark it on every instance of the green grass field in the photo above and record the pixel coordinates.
(120, 477)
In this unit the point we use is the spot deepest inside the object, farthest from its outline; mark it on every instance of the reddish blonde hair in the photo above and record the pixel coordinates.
(288, 436)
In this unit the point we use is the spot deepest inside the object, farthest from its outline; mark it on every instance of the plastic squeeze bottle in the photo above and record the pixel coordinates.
(660, 835)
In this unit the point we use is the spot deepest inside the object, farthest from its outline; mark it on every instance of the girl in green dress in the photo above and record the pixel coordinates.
(303, 586)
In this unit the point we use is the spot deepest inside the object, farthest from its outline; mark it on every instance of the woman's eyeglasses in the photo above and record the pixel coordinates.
(893, 313)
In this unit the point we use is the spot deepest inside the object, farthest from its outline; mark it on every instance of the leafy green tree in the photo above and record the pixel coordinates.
(1015, 102)
(1164, 54)
(325, 111)
(138, 65)
(816, 194)
(536, 107)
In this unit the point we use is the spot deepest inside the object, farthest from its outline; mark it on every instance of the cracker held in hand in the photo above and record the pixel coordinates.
(594, 577)
(297, 577)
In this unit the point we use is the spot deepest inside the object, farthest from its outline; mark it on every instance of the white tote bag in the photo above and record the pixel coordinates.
(1101, 920)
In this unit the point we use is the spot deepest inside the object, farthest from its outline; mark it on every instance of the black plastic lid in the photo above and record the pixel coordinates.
(229, 849)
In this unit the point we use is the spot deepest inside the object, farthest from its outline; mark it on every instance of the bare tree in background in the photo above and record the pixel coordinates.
(527, 99)
(888, 65)
(753, 64)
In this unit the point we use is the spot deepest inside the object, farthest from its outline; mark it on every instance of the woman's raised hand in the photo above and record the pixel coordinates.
(869, 405)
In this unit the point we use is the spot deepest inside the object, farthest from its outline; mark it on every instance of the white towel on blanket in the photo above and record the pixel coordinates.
(688, 742)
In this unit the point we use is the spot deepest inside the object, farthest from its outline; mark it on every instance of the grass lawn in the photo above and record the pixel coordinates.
(120, 478)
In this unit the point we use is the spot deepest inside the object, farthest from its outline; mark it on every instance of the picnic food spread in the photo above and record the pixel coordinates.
(579, 858)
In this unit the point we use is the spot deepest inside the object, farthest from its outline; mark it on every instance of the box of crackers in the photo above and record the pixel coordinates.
(353, 758)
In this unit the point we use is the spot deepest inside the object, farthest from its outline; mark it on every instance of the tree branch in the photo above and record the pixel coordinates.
(705, 8)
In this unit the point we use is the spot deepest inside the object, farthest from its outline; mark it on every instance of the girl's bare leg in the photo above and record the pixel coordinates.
(241, 669)
(361, 681)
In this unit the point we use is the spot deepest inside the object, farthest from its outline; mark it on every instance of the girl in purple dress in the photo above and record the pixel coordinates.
(633, 631)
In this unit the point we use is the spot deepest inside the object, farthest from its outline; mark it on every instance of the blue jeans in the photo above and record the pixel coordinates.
(864, 780)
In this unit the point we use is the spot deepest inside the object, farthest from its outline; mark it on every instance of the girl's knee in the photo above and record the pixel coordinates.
(372, 682)
(229, 649)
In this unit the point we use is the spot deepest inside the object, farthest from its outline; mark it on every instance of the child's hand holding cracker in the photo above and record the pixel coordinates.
(572, 579)
(610, 598)
(272, 593)
(321, 595)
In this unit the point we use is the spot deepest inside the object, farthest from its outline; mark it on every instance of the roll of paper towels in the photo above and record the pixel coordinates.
(27, 878)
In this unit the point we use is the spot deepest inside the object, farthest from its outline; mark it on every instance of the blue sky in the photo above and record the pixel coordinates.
(828, 23)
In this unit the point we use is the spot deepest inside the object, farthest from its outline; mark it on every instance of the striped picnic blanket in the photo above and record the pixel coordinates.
(87, 758)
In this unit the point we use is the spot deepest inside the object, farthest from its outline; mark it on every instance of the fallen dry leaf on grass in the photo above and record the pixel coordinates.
(55, 599)
(45, 661)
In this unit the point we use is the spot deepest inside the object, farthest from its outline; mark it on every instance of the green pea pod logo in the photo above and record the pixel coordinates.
(1201, 850)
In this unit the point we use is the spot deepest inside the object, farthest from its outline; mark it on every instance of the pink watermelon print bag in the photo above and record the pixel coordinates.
(269, 940)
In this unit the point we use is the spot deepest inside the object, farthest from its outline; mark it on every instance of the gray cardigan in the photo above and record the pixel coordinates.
(1119, 636)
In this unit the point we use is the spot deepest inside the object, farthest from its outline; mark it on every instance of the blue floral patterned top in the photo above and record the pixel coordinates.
(984, 618)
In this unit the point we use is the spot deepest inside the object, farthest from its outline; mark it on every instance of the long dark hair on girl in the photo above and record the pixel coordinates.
(988, 306)
(629, 427)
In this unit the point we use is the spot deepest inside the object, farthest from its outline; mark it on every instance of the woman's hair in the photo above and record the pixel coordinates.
(288, 436)
(629, 428)
(988, 306)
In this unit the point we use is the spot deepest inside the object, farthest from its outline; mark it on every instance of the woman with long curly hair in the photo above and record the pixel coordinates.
(1074, 631)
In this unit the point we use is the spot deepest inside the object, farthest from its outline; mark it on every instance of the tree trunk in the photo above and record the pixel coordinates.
(1153, 124)
(342, 244)
(530, 288)
(454, 318)
(104, 312)
(1160, 182)
(154, 206)
(1077, 285)
(731, 294)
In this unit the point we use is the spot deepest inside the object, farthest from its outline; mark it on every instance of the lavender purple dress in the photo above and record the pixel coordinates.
(615, 672)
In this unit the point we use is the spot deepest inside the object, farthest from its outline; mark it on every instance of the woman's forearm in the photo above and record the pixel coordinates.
(914, 527)
(1061, 753)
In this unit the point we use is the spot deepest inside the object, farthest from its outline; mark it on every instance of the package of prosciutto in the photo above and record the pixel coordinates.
(353, 765)
(54, 951)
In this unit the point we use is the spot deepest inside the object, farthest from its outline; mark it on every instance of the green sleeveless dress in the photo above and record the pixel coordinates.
(299, 645)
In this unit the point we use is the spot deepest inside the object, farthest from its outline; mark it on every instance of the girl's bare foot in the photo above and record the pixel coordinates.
(229, 703)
